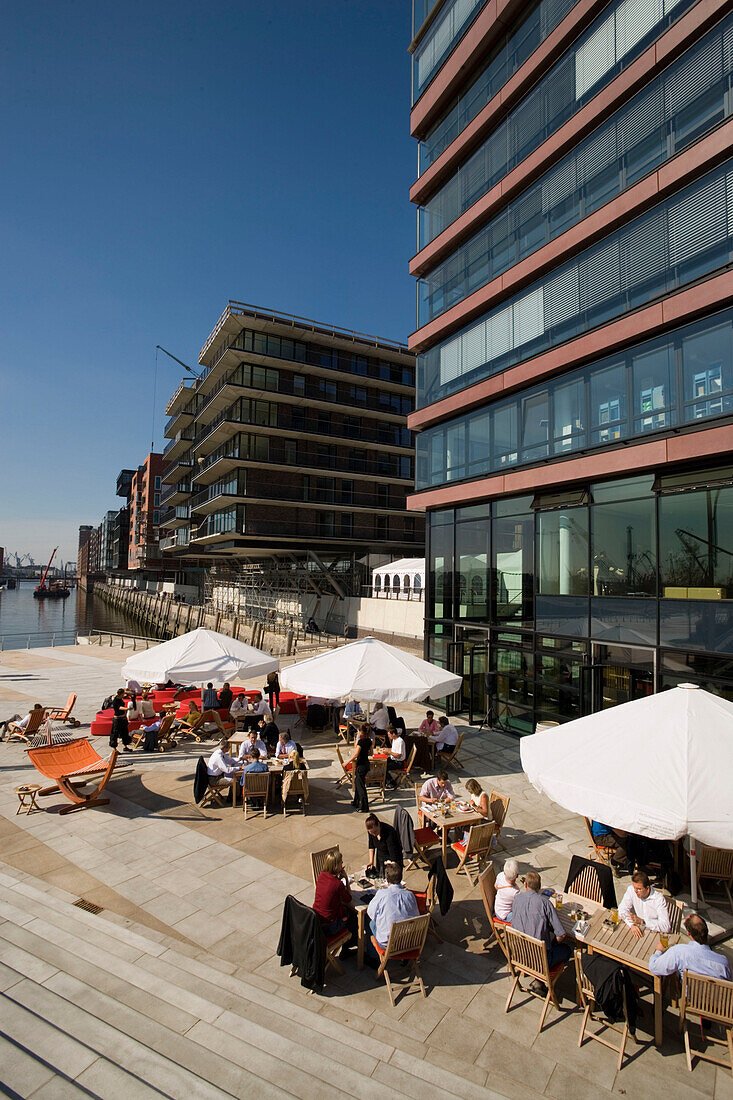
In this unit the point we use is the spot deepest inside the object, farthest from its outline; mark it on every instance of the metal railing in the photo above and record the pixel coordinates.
(96, 637)
(37, 639)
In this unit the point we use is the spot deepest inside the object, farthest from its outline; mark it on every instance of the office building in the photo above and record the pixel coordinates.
(575, 349)
(291, 444)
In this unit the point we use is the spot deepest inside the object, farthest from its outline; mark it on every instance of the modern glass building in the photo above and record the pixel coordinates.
(574, 349)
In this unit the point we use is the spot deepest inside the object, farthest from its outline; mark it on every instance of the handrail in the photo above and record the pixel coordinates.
(134, 638)
(69, 633)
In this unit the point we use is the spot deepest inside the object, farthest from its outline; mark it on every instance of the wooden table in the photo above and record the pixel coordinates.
(274, 771)
(619, 943)
(452, 820)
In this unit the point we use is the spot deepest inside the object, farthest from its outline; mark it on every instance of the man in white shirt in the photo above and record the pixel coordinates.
(284, 747)
(250, 744)
(262, 707)
(397, 754)
(437, 790)
(379, 719)
(643, 906)
(446, 737)
(220, 765)
(239, 709)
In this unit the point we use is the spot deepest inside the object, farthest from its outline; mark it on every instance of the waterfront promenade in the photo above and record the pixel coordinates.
(174, 987)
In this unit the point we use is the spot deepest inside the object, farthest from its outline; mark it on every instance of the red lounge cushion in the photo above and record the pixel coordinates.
(426, 836)
(498, 920)
(338, 937)
(459, 847)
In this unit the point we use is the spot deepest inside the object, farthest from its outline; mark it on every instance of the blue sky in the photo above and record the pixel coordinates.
(160, 158)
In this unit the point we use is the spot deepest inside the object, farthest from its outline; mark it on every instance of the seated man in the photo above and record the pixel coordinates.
(209, 698)
(248, 746)
(352, 707)
(696, 956)
(19, 724)
(257, 764)
(238, 709)
(385, 849)
(284, 747)
(535, 915)
(221, 766)
(316, 715)
(268, 732)
(397, 754)
(610, 838)
(438, 789)
(379, 721)
(428, 726)
(446, 737)
(225, 697)
(333, 901)
(387, 906)
(506, 890)
(262, 707)
(643, 906)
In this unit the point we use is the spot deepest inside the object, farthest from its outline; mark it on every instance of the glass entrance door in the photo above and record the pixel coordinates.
(470, 659)
(620, 674)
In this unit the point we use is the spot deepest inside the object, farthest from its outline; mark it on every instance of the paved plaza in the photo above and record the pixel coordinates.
(175, 989)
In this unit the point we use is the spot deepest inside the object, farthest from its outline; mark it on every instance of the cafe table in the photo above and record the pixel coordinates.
(618, 942)
(275, 773)
(452, 819)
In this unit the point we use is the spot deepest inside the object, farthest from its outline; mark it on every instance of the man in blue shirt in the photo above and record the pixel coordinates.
(394, 903)
(697, 955)
(209, 698)
(256, 765)
(535, 915)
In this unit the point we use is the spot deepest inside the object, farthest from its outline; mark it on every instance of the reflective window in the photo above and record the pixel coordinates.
(623, 557)
(441, 37)
(562, 552)
(472, 569)
(696, 544)
(441, 571)
(513, 566)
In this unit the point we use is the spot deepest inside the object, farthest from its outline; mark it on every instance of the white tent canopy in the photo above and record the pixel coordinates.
(660, 766)
(370, 671)
(199, 657)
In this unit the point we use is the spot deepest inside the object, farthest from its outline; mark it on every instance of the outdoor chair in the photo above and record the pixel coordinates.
(255, 789)
(295, 784)
(396, 721)
(377, 776)
(400, 777)
(333, 946)
(193, 729)
(675, 909)
(63, 714)
(498, 808)
(586, 884)
(487, 883)
(602, 852)
(405, 945)
(716, 865)
(427, 899)
(165, 740)
(71, 767)
(475, 851)
(708, 999)
(206, 790)
(318, 860)
(347, 770)
(15, 733)
(449, 757)
(587, 1001)
(301, 708)
(528, 956)
(425, 837)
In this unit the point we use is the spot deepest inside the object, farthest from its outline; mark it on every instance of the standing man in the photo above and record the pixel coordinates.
(209, 698)
(226, 696)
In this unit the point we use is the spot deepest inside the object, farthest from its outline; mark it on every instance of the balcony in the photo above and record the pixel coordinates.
(175, 494)
(178, 444)
(179, 468)
(179, 398)
(180, 419)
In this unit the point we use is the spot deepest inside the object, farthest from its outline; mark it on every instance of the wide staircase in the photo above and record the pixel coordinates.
(92, 1005)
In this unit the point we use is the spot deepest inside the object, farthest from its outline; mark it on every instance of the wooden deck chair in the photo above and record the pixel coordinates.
(63, 714)
(707, 999)
(377, 776)
(318, 861)
(602, 852)
(256, 785)
(586, 885)
(587, 1001)
(400, 777)
(405, 944)
(528, 956)
(207, 789)
(487, 884)
(498, 808)
(474, 853)
(425, 837)
(347, 775)
(37, 717)
(449, 757)
(164, 735)
(72, 766)
(301, 708)
(716, 865)
(295, 784)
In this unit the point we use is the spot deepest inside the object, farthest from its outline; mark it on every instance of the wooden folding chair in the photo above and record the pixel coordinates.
(165, 740)
(587, 1001)
(301, 708)
(675, 909)
(449, 757)
(474, 853)
(707, 999)
(587, 884)
(405, 944)
(63, 714)
(37, 718)
(498, 808)
(425, 837)
(716, 865)
(602, 852)
(217, 794)
(318, 861)
(528, 956)
(347, 775)
(487, 884)
(255, 787)
(427, 900)
(333, 946)
(400, 777)
(296, 784)
(377, 776)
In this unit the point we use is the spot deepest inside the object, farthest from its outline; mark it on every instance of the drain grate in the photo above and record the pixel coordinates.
(88, 906)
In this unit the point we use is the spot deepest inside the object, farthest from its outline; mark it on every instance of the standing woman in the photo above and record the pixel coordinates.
(361, 764)
(120, 728)
(272, 690)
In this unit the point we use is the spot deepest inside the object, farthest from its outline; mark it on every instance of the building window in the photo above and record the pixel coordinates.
(157, 483)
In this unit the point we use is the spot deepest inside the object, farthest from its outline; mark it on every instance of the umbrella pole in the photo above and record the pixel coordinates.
(693, 872)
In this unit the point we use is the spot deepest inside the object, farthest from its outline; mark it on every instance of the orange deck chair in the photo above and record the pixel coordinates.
(72, 766)
(63, 714)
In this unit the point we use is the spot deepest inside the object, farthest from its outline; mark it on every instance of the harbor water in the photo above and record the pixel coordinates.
(25, 621)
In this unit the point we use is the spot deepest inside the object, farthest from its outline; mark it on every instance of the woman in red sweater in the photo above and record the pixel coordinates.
(333, 901)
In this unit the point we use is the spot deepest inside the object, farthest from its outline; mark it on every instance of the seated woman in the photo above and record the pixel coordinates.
(506, 890)
(133, 711)
(145, 706)
(294, 763)
(333, 901)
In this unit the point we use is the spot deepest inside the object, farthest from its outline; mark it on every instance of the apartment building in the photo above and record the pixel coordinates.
(144, 516)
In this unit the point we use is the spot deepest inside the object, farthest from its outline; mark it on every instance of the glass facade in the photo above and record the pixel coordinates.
(689, 99)
(553, 605)
(449, 26)
(663, 384)
(621, 33)
(675, 243)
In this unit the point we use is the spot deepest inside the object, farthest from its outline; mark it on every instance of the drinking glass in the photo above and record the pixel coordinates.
(664, 940)
(558, 901)
(614, 916)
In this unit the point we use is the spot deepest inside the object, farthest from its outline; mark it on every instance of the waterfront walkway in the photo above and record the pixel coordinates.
(174, 988)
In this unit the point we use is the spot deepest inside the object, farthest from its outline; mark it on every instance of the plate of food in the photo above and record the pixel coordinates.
(464, 807)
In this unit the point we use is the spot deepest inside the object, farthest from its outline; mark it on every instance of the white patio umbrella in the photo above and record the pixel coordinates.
(371, 671)
(199, 657)
(661, 766)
